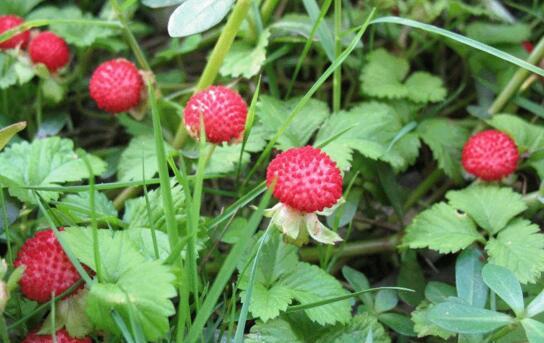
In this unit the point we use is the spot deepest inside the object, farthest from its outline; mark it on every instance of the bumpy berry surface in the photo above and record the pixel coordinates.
(8, 22)
(224, 113)
(49, 49)
(307, 179)
(116, 86)
(490, 155)
(47, 268)
(62, 337)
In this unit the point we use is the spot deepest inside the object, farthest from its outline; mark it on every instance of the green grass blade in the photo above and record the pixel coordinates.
(323, 32)
(225, 273)
(125, 332)
(300, 105)
(463, 40)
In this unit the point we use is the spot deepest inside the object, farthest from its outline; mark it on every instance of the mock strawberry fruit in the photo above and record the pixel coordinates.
(8, 22)
(224, 114)
(306, 181)
(49, 49)
(116, 86)
(47, 268)
(62, 337)
(490, 155)
(528, 46)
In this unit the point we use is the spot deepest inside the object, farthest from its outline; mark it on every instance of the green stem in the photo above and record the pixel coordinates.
(351, 249)
(4, 330)
(39, 110)
(423, 187)
(133, 43)
(337, 76)
(125, 194)
(267, 9)
(5, 225)
(217, 56)
(517, 80)
(499, 333)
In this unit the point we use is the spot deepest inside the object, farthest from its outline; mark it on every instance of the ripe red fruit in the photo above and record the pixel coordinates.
(49, 49)
(224, 113)
(490, 155)
(116, 86)
(8, 22)
(47, 268)
(307, 179)
(528, 46)
(62, 337)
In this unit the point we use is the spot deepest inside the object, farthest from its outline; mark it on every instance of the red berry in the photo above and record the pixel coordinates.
(49, 49)
(528, 46)
(490, 155)
(307, 179)
(224, 113)
(116, 86)
(47, 268)
(62, 337)
(8, 22)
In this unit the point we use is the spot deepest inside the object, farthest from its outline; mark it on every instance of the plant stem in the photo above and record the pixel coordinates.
(267, 9)
(217, 56)
(517, 80)
(126, 194)
(4, 330)
(337, 76)
(5, 225)
(132, 42)
(423, 187)
(351, 249)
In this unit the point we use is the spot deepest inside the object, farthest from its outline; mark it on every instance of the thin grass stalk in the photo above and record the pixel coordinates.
(337, 76)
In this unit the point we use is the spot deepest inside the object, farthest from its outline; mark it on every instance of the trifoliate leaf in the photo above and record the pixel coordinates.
(446, 139)
(76, 208)
(490, 207)
(268, 303)
(424, 327)
(441, 228)
(356, 331)
(370, 129)
(137, 216)
(246, 60)
(520, 248)
(132, 286)
(490, 33)
(273, 113)
(141, 150)
(424, 87)
(383, 75)
(79, 35)
(44, 162)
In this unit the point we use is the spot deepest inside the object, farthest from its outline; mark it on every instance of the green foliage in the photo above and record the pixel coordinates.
(244, 59)
(44, 162)
(370, 129)
(74, 208)
(385, 76)
(491, 33)
(15, 70)
(195, 16)
(138, 289)
(282, 279)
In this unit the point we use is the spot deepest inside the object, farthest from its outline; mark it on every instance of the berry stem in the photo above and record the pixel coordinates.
(517, 80)
(217, 56)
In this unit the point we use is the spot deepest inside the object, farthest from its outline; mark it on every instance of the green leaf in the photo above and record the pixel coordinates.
(398, 323)
(246, 60)
(490, 33)
(70, 313)
(79, 35)
(462, 318)
(18, 7)
(273, 113)
(468, 278)
(383, 74)
(503, 282)
(446, 138)
(536, 306)
(437, 292)
(7, 133)
(491, 207)
(424, 327)
(14, 69)
(520, 248)
(195, 16)
(358, 282)
(429, 228)
(133, 286)
(411, 276)
(424, 87)
(52, 90)
(44, 162)
(528, 137)
(136, 215)
(161, 3)
(278, 330)
(141, 149)
(386, 300)
(371, 128)
(533, 329)
(76, 208)
(356, 331)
